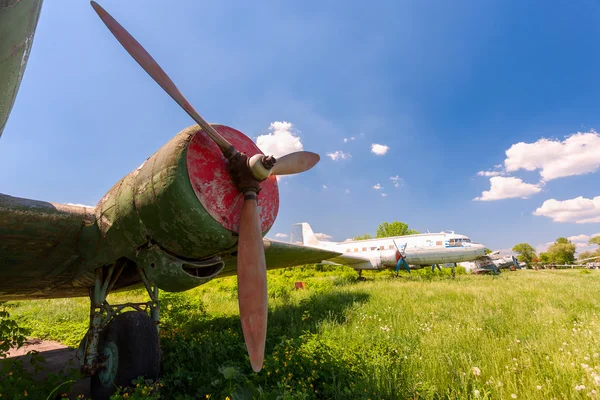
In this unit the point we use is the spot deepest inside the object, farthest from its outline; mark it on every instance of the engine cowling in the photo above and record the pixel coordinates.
(389, 258)
(182, 200)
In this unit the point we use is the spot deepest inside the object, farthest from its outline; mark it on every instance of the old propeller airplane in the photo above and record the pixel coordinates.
(415, 250)
(196, 209)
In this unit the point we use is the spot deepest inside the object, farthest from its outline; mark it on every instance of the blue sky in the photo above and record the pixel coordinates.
(448, 87)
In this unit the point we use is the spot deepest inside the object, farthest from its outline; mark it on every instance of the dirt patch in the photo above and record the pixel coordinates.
(58, 357)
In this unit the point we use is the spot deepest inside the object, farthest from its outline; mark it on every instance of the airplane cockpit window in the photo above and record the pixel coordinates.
(458, 242)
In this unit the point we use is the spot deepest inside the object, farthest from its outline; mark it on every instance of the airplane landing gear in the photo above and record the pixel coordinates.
(360, 277)
(129, 348)
(119, 346)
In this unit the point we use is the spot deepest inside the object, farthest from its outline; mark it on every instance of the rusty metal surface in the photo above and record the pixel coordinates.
(18, 21)
(43, 247)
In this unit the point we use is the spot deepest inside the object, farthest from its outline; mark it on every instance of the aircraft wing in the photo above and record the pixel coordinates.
(355, 262)
(282, 255)
(47, 250)
(18, 21)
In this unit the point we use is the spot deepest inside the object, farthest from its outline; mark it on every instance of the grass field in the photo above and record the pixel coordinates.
(525, 335)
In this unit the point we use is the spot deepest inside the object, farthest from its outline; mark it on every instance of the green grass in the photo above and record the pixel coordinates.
(532, 334)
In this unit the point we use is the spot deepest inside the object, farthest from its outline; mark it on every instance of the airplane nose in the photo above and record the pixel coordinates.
(479, 249)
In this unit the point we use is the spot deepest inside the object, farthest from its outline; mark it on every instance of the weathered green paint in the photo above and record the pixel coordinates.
(168, 273)
(44, 248)
(18, 20)
(157, 203)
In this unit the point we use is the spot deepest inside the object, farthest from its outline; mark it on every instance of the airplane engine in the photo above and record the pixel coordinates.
(389, 258)
(182, 202)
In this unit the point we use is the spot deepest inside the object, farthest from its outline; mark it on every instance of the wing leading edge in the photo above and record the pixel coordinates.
(282, 255)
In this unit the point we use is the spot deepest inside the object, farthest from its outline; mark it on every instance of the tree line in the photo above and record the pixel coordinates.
(562, 251)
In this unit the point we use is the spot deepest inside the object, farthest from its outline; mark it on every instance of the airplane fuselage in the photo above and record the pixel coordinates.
(418, 250)
(422, 249)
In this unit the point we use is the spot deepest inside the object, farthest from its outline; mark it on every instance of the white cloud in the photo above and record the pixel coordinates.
(579, 210)
(508, 188)
(379, 149)
(338, 155)
(577, 154)
(346, 140)
(397, 181)
(542, 248)
(281, 235)
(579, 238)
(383, 194)
(324, 187)
(377, 186)
(347, 191)
(490, 173)
(280, 140)
(322, 236)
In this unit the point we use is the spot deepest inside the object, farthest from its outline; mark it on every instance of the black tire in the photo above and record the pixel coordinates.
(133, 337)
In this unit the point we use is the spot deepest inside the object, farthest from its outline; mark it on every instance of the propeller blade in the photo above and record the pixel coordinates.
(252, 282)
(156, 72)
(295, 163)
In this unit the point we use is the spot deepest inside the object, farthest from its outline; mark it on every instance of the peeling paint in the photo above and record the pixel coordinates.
(209, 176)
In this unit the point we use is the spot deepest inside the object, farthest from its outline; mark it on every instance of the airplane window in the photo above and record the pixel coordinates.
(355, 250)
(438, 243)
(364, 249)
(348, 250)
(391, 246)
(373, 248)
(381, 247)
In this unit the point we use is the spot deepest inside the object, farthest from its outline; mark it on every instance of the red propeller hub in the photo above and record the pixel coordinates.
(209, 175)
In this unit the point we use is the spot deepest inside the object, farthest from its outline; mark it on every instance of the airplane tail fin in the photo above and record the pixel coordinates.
(308, 236)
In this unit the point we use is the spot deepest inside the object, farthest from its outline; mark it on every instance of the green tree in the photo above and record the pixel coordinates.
(525, 251)
(545, 258)
(589, 254)
(562, 251)
(364, 237)
(395, 228)
(584, 255)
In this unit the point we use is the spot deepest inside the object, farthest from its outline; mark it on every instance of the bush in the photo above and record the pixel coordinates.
(16, 382)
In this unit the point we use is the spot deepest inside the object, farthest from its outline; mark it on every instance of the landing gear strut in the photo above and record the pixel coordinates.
(120, 346)
(360, 277)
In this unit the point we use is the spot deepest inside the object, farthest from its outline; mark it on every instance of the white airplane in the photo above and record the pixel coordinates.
(417, 250)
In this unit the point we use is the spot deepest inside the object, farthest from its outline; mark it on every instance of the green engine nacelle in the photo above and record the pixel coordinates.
(182, 204)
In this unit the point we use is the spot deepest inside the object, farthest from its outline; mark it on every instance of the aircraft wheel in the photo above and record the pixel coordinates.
(131, 347)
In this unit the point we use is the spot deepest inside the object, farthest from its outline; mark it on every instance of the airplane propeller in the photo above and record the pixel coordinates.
(246, 173)
(402, 254)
